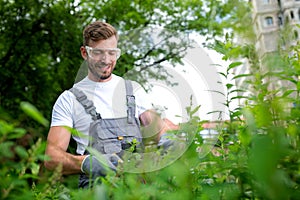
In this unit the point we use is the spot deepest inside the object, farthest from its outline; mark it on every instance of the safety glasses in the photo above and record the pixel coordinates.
(101, 53)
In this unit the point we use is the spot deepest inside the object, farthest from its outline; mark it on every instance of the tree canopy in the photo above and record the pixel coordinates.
(255, 154)
(40, 40)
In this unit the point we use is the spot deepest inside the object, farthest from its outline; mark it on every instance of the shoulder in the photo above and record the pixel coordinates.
(65, 95)
(65, 99)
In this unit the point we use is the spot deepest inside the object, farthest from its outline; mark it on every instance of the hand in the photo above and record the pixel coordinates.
(167, 125)
(166, 141)
(100, 166)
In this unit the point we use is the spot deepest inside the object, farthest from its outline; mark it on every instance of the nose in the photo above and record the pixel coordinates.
(104, 57)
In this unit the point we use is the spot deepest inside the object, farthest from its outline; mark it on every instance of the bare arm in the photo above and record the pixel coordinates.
(57, 144)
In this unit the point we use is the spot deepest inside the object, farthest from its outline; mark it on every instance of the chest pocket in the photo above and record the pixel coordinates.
(112, 135)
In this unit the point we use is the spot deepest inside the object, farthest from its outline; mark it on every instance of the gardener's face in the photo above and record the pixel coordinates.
(101, 57)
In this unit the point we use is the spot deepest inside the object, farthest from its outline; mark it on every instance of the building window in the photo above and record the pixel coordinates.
(266, 1)
(292, 14)
(279, 3)
(269, 21)
(280, 21)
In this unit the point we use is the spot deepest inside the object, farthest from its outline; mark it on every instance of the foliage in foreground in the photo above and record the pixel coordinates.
(256, 156)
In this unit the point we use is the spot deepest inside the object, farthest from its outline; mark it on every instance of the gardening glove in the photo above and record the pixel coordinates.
(166, 141)
(95, 167)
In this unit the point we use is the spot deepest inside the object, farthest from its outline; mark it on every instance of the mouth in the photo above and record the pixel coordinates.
(103, 66)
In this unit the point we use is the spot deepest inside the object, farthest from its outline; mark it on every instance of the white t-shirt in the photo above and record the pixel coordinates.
(109, 98)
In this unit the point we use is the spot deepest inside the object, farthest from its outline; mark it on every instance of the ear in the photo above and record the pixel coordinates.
(83, 52)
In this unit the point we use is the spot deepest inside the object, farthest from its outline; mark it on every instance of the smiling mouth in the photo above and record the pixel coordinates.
(103, 66)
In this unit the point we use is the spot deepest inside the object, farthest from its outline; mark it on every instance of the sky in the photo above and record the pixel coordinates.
(198, 76)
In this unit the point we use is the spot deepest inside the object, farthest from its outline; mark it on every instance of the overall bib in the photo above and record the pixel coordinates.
(111, 136)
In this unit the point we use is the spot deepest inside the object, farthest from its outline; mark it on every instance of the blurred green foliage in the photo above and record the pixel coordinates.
(256, 154)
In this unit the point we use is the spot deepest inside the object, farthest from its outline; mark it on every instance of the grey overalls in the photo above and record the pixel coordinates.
(110, 136)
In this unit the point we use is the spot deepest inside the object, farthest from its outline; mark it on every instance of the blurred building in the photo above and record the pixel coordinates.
(270, 17)
(276, 26)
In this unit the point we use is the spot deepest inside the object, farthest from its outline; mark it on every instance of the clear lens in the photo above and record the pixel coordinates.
(101, 53)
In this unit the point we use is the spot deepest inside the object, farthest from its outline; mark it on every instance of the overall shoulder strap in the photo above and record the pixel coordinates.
(86, 103)
(130, 102)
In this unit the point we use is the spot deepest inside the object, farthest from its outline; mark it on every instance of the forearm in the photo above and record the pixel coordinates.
(71, 164)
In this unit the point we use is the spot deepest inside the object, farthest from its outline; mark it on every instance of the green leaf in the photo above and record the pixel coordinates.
(223, 74)
(76, 133)
(229, 85)
(233, 65)
(31, 111)
(288, 92)
(5, 128)
(21, 151)
(6, 150)
(238, 97)
(238, 90)
(16, 133)
(217, 92)
(192, 112)
(298, 85)
(236, 113)
(241, 76)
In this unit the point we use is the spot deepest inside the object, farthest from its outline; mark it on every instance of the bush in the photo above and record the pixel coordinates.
(256, 157)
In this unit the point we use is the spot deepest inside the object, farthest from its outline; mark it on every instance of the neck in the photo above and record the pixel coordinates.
(99, 79)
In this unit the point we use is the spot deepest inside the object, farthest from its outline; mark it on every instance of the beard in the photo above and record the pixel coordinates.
(101, 71)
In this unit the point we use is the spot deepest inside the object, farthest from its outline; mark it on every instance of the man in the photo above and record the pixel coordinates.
(106, 91)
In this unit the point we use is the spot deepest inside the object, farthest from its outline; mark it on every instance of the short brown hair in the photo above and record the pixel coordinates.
(98, 31)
